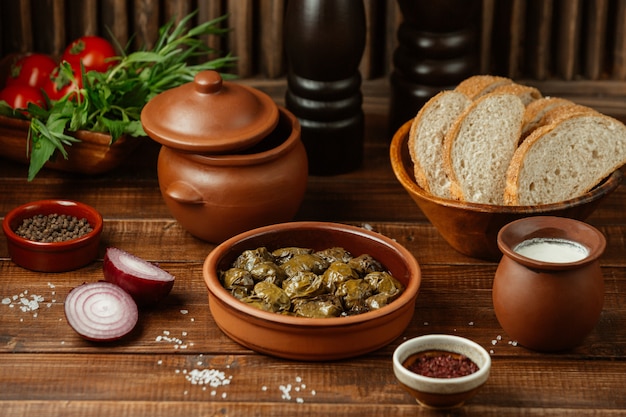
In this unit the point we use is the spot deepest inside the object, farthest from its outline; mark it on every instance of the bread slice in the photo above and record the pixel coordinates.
(565, 159)
(426, 140)
(536, 110)
(479, 85)
(526, 93)
(479, 146)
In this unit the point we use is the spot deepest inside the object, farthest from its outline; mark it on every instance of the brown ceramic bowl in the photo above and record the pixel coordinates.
(57, 256)
(441, 392)
(93, 155)
(313, 339)
(472, 228)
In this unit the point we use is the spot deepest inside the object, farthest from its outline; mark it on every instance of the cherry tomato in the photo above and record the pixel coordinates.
(92, 51)
(58, 86)
(18, 96)
(32, 69)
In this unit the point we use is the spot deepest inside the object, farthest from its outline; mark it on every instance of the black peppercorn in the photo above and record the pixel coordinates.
(53, 228)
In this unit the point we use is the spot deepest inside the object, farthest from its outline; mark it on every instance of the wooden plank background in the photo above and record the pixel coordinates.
(524, 39)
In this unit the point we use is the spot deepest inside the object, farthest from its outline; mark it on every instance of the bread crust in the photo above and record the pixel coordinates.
(536, 110)
(526, 93)
(479, 85)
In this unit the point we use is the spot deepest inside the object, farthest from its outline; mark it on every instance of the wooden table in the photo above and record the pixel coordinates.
(47, 369)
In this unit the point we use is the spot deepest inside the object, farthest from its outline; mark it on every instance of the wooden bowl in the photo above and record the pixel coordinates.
(94, 154)
(472, 228)
(313, 339)
(441, 392)
(53, 256)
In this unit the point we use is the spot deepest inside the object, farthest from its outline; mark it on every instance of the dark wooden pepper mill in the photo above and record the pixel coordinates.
(437, 49)
(324, 41)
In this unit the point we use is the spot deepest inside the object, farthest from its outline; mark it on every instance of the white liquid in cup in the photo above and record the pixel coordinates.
(552, 250)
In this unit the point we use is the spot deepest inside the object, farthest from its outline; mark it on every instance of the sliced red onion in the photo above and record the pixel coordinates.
(144, 281)
(101, 311)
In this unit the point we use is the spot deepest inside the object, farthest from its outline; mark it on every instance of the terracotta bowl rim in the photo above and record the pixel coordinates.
(443, 342)
(35, 207)
(216, 289)
(400, 141)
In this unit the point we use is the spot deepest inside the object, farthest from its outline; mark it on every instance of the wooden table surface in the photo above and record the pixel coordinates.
(47, 369)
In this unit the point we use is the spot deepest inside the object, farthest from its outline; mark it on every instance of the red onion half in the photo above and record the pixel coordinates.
(101, 311)
(144, 281)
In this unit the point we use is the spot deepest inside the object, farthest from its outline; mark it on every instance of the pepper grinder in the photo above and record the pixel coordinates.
(437, 49)
(324, 43)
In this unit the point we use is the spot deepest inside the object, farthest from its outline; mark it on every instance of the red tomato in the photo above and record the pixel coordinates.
(18, 96)
(57, 87)
(32, 69)
(92, 51)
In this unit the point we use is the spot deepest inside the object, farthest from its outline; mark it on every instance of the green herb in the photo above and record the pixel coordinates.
(112, 101)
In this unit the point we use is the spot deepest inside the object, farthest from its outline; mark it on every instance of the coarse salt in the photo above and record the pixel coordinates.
(23, 301)
(211, 377)
(286, 389)
(166, 337)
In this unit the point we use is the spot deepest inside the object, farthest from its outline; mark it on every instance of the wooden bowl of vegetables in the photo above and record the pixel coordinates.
(87, 120)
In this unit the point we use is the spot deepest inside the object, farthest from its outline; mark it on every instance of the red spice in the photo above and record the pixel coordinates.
(438, 364)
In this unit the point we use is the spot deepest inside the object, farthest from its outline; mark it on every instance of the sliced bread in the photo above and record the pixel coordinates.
(526, 93)
(536, 110)
(426, 140)
(479, 85)
(479, 146)
(565, 159)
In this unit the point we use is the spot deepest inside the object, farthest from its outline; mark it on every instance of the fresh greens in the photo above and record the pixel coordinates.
(112, 101)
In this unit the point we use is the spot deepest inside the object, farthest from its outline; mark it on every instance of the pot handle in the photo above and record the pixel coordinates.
(184, 193)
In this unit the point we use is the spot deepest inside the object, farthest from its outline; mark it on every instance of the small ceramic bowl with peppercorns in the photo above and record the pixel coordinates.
(53, 235)
(441, 371)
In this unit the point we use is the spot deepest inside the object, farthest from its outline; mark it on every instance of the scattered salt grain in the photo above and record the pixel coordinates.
(210, 377)
(367, 226)
(24, 302)
(184, 311)
(166, 337)
(286, 390)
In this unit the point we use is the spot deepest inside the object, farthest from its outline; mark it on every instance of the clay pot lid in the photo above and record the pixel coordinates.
(210, 115)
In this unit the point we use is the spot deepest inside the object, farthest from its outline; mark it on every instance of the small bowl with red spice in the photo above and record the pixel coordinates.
(53, 235)
(441, 371)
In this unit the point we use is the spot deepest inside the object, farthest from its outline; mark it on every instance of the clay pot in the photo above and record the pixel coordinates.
(548, 305)
(232, 160)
